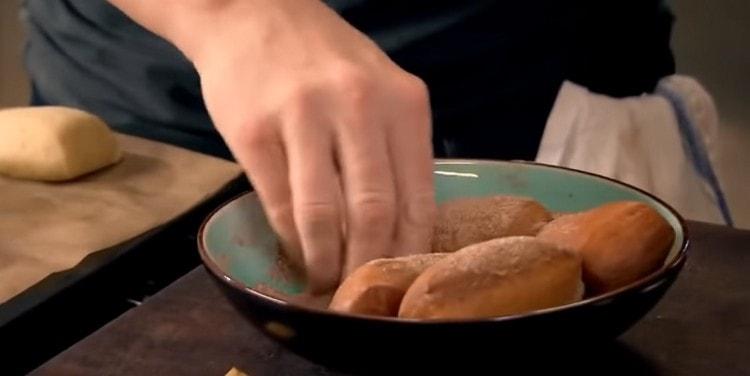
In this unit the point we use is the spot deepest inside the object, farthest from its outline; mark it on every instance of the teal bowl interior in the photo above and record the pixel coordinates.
(238, 240)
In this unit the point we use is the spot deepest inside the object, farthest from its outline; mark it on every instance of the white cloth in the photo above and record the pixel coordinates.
(662, 143)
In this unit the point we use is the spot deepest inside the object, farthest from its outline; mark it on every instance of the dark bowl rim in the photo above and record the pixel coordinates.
(644, 283)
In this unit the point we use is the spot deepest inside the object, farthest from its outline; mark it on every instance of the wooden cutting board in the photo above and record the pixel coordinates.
(50, 227)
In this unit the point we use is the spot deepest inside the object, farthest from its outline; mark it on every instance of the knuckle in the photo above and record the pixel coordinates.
(313, 215)
(354, 83)
(373, 210)
(282, 217)
(420, 209)
(256, 134)
(414, 91)
(301, 96)
(299, 104)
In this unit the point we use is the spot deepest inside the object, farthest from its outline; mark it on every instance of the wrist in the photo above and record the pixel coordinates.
(204, 26)
(193, 26)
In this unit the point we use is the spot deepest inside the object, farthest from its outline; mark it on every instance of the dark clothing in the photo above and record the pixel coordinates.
(493, 67)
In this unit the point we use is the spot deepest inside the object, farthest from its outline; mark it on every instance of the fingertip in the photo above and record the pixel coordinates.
(292, 252)
(322, 278)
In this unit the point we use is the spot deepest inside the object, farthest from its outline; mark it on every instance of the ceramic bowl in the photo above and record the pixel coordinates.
(240, 250)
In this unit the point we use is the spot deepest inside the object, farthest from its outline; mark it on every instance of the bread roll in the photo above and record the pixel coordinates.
(235, 372)
(54, 143)
(618, 242)
(498, 277)
(376, 288)
(467, 221)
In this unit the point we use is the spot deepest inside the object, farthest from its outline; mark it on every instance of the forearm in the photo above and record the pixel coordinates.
(194, 25)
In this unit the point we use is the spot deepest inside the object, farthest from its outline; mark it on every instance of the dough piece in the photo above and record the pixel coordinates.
(467, 221)
(498, 277)
(376, 288)
(54, 143)
(235, 372)
(619, 242)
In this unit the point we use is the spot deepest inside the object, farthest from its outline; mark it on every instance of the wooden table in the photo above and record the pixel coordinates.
(701, 327)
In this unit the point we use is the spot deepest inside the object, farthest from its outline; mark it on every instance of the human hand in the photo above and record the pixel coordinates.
(334, 136)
